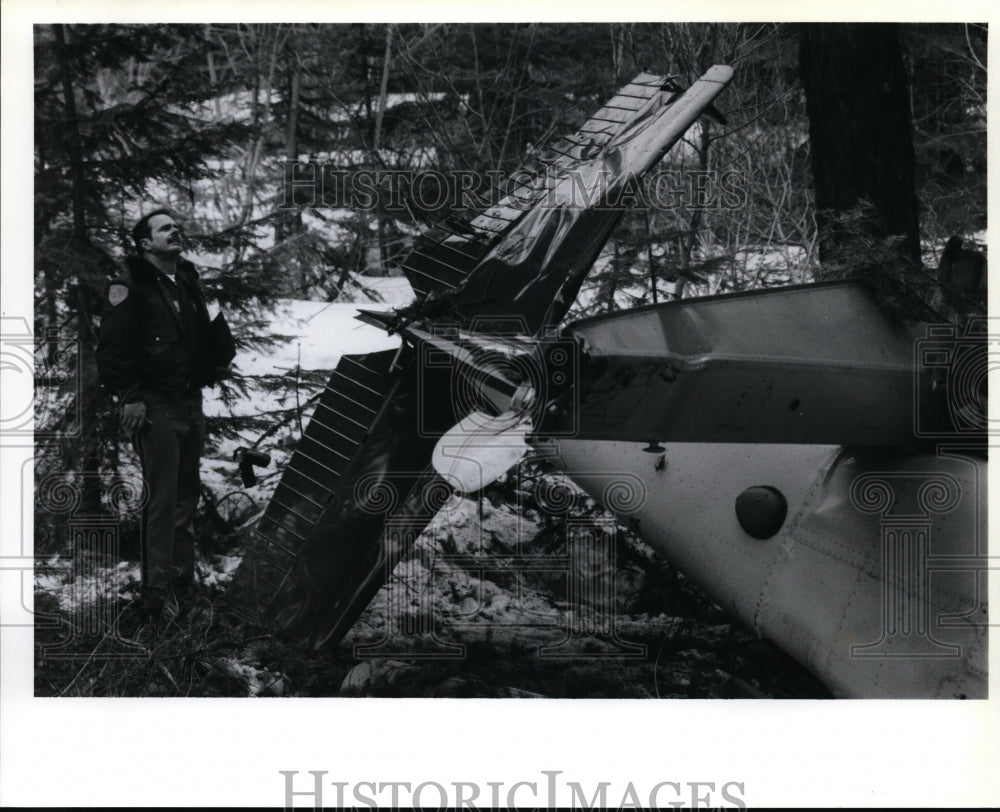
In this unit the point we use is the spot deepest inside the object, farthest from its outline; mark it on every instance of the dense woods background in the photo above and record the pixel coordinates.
(204, 118)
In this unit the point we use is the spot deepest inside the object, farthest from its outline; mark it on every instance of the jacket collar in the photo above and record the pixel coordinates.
(145, 272)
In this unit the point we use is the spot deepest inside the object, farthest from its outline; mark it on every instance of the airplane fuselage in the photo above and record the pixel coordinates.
(873, 580)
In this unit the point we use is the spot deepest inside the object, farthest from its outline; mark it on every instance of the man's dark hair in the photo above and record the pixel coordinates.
(142, 231)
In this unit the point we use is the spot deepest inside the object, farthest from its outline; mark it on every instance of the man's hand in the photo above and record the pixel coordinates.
(133, 416)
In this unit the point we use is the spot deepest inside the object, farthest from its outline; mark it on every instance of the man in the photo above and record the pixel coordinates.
(155, 355)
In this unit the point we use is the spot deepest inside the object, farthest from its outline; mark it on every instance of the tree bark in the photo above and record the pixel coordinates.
(83, 458)
(860, 132)
(291, 223)
(72, 136)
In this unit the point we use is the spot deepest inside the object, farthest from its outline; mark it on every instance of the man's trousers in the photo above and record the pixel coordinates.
(169, 447)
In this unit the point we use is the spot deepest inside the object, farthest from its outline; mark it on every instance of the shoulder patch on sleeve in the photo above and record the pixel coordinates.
(117, 294)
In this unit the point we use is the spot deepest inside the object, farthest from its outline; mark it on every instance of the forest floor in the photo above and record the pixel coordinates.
(490, 634)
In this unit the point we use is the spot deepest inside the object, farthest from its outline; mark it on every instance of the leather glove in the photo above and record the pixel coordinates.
(134, 416)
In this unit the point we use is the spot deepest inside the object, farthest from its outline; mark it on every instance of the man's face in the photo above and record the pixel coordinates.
(164, 237)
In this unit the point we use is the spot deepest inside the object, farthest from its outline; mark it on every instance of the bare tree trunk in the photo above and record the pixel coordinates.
(82, 457)
(649, 257)
(291, 223)
(72, 137)
(222, 189)
(687, 242)
(860, 131)
(382, 90)
(383, 232)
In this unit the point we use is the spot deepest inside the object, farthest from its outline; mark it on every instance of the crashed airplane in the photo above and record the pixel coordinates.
(816, 467)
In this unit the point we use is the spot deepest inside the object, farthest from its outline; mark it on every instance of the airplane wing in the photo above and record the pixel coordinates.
(528, 255)
(805, 364)
(444, 257)
(330, 535)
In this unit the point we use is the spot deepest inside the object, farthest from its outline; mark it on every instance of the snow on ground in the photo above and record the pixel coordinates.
(259, 681)
(74, 585)
(321, 332)
(215, 570)
(324, 331)
(238, 106)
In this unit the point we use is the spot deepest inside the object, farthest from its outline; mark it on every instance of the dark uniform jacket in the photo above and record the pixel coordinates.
(154, 337)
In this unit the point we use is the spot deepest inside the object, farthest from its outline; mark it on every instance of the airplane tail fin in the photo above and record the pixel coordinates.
(360, 486)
